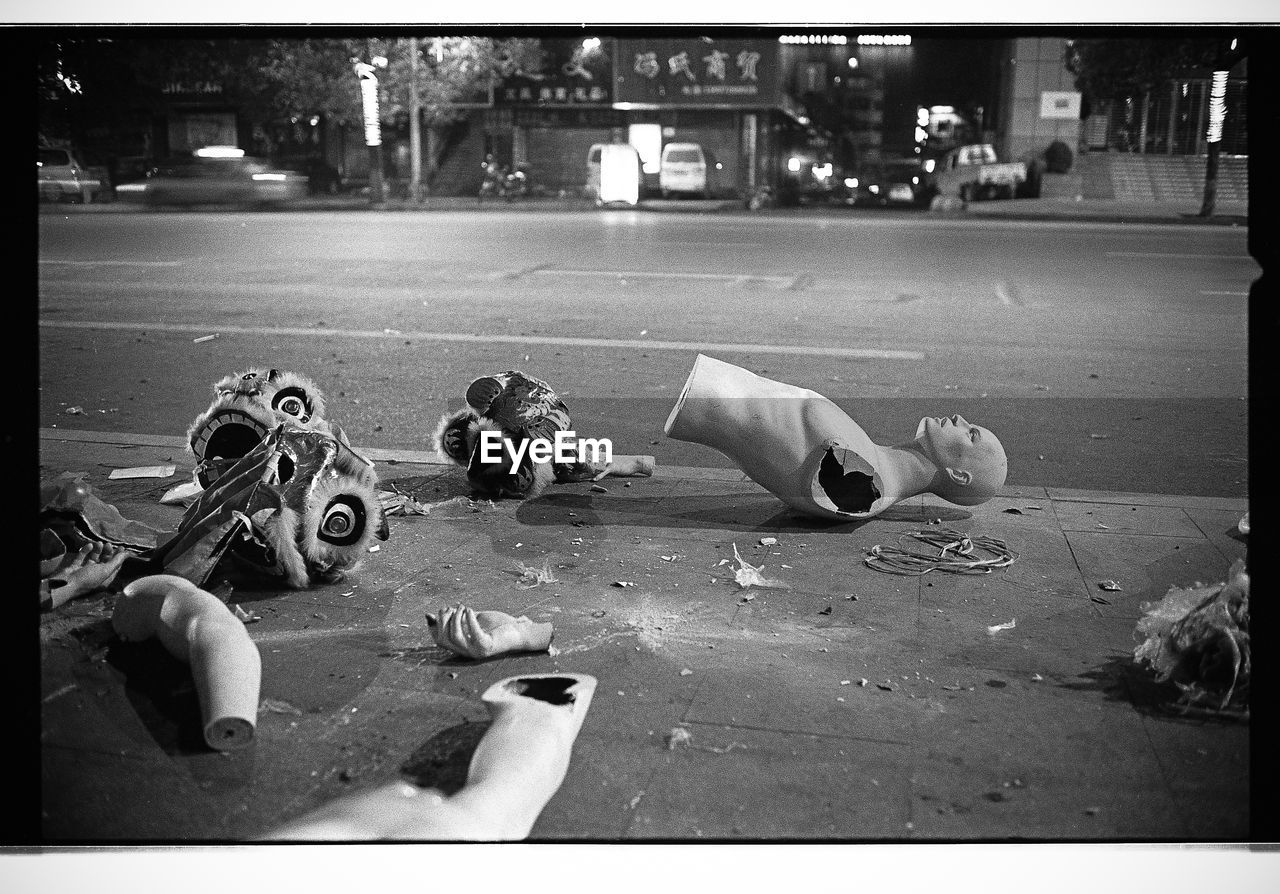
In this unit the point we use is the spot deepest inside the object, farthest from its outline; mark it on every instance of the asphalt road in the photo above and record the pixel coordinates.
(1105, 356)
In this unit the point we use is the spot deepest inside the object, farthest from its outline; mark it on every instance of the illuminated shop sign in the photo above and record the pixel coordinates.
(191, 88)
(574, 72)
(884, 40)
(698, 72)
(838, 40)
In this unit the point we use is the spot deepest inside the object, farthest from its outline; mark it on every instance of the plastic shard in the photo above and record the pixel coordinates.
(748, 575)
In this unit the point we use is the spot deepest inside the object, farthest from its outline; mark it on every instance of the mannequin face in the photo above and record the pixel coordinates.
(970, 459)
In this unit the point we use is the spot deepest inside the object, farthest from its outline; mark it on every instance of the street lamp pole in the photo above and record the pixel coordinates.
(368, 78)
(415, 126)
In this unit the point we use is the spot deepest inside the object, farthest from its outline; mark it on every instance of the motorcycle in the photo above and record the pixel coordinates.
(515, 184)
(494, 181)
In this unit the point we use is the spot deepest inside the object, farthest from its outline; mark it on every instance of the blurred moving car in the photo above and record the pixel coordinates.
(322, 177)
(60, 176)
(216, 175)
(894, 182)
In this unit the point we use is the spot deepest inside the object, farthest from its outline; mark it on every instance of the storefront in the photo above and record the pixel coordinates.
(548, 122)
(723, 93)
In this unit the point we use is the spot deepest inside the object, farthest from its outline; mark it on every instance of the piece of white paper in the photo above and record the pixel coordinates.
(144, 472)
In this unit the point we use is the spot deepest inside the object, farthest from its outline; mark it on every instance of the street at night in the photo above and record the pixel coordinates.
(922, 358)
(1106, 356)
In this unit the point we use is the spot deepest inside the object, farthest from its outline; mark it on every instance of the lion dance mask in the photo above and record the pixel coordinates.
(284, 492)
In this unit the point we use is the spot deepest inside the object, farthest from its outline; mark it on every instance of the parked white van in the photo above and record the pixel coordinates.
(686, 168)
(593, 170)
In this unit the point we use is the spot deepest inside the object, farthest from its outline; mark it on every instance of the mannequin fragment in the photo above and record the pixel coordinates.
(519, 764)
(487, 633)
(196, 627)
(805, 450)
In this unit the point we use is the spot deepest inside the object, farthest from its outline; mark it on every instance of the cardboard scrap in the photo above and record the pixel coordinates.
(144, 472)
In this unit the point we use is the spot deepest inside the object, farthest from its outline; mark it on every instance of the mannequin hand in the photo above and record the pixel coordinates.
(485, 634)
(93, 568)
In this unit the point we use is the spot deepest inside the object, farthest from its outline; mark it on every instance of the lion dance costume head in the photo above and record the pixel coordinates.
(284, 492)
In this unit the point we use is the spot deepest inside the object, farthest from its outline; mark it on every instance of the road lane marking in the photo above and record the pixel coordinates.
(473, 338)
(1175, 254)
(664, 274)
(113, 263)
(1234, 294)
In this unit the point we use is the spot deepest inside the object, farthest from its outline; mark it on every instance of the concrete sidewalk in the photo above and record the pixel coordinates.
(851, 706)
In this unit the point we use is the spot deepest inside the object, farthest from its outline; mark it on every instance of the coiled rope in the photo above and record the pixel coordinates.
(956, 553)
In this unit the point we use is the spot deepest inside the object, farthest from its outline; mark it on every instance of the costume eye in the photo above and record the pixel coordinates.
(343, 522)
(293, 403)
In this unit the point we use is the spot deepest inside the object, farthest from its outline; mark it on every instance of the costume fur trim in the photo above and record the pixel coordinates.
(281, 532)
(327, 555)
(468, 422)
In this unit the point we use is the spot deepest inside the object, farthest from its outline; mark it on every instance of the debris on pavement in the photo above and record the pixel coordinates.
(248, 617)
(204, 338)
(535, 577)
(1198, 637)
(1007, 625)
(73, 512)
(396, 502)
(684, 672)
(768, 541)
(599, 489)
(1013, 510)
(485, 634)
(958, 553)
(1109, 585)
(623, 583)
(73, 411)
(826, 611)
(279, 706)
(749, 575)
(144, 472)
(678, 736)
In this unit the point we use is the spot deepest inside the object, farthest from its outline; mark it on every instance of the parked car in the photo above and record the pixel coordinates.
(60, 176)
(592, 189)
(687, 168)
(216, 175)
(974, 172)
(895, 182)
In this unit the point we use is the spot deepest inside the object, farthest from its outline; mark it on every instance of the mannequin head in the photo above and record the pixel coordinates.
(971, 461)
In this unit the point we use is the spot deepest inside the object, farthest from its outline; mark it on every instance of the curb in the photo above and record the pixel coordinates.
(1155, 215)
(688, 473)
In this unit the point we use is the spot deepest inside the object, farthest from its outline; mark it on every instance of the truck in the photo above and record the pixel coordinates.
(974, 172)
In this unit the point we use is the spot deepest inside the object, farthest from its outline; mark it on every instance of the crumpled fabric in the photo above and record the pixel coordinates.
(74, 515)
(1198, 638)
